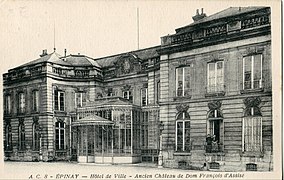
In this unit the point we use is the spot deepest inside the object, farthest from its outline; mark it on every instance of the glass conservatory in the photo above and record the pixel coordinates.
(108, 131)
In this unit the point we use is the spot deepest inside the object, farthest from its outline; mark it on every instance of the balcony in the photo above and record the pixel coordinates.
(252, 86)
(215, 90)
(214, 148)
(182, 94)
(222, 29)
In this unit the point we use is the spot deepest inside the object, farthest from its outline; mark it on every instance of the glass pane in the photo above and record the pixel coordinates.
(179, 80)
(211, 77)
(257, 71)
(61, 98)
(247, 72)
(187, 81)
(220, 78)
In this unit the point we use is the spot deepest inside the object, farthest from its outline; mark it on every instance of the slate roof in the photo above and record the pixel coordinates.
(80, 60)
(232, 11)
(53, 57)
(141, 54)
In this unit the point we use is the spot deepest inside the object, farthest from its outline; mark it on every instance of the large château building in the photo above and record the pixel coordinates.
(203, 98)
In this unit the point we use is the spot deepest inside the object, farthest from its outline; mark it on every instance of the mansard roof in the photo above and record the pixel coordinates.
(226, 13)
(80, 60)
(53, 57)
(143, 54)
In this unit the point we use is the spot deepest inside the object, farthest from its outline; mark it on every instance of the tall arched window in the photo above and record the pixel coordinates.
(252, 130)
(8, 137)
(36, 136)
(215, 130)
(22, 141)
(183, 132)
(59, 135)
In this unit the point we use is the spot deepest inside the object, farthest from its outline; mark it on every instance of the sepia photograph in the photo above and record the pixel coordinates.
(141, 89)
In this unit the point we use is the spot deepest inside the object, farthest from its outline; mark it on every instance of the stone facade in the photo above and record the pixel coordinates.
(210, 82)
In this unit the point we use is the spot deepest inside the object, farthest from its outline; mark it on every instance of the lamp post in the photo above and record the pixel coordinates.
(160, 162)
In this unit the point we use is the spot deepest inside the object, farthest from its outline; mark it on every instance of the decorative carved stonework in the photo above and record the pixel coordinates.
(126, 87)
(215, 57)
(182, 107)
(35, 119)
(250, 50)
(252, 101)
(214, 105)
(127, 64)
(21, 121)
(145, 85)
(7, 121)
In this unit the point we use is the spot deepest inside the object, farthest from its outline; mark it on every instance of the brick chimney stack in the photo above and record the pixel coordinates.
(198, 16)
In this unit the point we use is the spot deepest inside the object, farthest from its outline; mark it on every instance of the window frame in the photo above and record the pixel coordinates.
(81, 93)
(8, 137)
(183, 81)
(215, 76)
(183, 121)
(35, 100)
(128, 92)
(36, 136)
(252, 117)
(59, 94)
(21, 102)
(21, 136)
(146, 96)
(60, 145)
(7, 104)
(252, 72)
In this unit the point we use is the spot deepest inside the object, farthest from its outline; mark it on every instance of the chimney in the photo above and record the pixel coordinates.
(44, 53)
(198, 16)
(65, 52)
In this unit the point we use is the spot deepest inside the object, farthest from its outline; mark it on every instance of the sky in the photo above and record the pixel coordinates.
(92, 28)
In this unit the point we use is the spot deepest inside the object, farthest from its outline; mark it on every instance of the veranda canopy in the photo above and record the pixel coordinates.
(92, 120)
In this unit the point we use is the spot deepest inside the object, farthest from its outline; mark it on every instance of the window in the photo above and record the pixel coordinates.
(144, 129)
(8, 137)
(128, 95)
(215, 76)
(80, 98)
(59, 100)
(158, 91)
(182, 81)
(36, 136)
(144, 96)
(215, 129)
(183, 132)
(22, 141)
(35, 99)
(110, 92)
(59, 135)
(21, 102)
(252, 72)
(7, 104)
(252, 130)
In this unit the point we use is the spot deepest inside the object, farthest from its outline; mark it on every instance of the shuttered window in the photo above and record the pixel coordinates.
(215, 76)
(252, 132)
